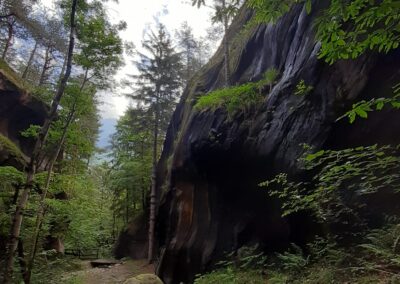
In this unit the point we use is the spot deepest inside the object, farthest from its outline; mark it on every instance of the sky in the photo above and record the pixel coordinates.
(140, 15)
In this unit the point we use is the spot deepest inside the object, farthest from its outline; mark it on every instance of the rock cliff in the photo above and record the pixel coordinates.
(212, 163)
(18, 110)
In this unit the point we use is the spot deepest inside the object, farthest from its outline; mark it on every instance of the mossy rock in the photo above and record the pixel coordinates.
(144, 279)
(13, 77)
(9, 149)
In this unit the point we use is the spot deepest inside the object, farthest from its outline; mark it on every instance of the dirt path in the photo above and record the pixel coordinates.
(114, 274)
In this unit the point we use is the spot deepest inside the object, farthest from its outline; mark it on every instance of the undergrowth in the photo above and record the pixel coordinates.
(374, 260)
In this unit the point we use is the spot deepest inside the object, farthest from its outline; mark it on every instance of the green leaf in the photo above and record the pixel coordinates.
(311, 157)
(362, 113)
(380, 105)
(308, 6)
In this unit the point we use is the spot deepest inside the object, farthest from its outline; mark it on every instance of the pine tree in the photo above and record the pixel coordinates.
(189, 49)
(224, 11)
(158, 87)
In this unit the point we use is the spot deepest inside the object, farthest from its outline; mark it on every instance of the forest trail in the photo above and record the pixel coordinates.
(109, 275)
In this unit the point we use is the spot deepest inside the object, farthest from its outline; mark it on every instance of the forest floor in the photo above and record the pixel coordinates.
(108, 275)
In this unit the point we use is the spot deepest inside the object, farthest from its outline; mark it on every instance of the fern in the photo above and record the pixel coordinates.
(384, 244)
(293, 260)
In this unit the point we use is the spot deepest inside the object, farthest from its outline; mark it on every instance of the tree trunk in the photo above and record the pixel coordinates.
(46, 66)
(41, 210)
(21, 260)
(153, 192)
(10, 35)
(33, 52)
(226, 48)
(17, 218)
(127, 207)
(62, 69)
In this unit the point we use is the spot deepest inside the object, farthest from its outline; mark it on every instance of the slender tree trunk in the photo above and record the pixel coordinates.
(226, 48)
(153, 192)
(46, 67)
(17, 218)
(41, 210)
(9, 37)
(33, 52)
(21, 260)
(63, 69)
(143, 187)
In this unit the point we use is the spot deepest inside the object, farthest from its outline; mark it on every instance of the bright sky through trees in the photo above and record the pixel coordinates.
(140, 15)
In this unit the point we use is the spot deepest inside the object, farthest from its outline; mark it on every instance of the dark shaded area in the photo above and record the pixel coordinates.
(213, 203)
(132, 242)
(211, 164)
(18, 111)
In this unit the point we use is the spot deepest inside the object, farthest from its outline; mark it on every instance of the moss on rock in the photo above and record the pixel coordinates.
(144, 279)
(8, 148)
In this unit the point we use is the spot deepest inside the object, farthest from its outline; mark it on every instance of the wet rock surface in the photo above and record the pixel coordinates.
(211, 163)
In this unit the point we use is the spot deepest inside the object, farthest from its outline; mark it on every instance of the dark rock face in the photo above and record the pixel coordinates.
(211, 164)
(133, 241)
(18, 110)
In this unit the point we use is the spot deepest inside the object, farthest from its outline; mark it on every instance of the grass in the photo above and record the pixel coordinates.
(238, 98)
(232, 99)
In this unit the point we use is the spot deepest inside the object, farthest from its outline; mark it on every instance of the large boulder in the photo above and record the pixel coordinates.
(18, 109)
(212, 163)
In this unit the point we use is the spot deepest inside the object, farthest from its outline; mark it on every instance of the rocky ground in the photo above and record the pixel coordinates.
(108, 275)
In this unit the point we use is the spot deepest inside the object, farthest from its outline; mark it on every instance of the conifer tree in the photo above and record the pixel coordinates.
(158, 86)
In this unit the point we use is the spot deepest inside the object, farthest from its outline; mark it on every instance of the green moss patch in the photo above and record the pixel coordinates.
(13, 77)
(8, 146)
(238, 98)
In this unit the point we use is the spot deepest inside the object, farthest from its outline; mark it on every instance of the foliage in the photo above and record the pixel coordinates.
(271, 10)
(355, 172)
(270, 76)
(348, 29)
(362, 108)
(293, 260)
(10, 176)
(384, 243)
(232, 99)
(192, 51)
(246, 267)
(238, 98)
(130, 177)
(302, 89)
(52, 269)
